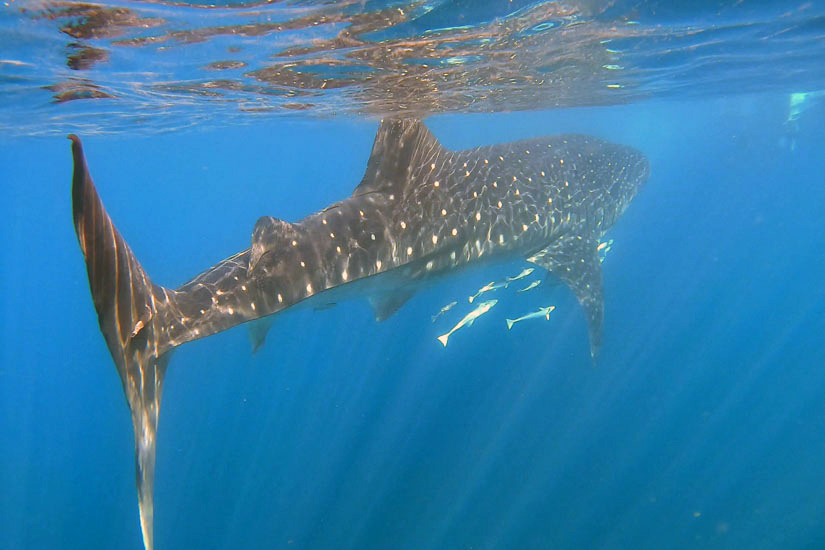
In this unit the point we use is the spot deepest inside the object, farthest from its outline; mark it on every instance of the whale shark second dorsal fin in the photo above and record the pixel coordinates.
(399, 146)
(269, 234)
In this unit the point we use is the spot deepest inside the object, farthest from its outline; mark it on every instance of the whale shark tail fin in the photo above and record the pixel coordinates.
(129, 309)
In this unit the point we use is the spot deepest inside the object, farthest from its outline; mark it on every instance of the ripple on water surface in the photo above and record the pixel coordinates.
(165, 65)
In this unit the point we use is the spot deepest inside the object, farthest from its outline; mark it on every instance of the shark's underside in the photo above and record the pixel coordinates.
(420, 211)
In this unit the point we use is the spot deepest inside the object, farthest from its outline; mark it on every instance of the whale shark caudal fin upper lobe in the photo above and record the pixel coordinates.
(141, 321)
(127, 304)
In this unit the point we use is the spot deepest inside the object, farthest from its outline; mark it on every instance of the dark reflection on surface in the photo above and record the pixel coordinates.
(70, 90)
(225, 65)
(374, 61)
(88, 21)
(383, 58)
(84, 57)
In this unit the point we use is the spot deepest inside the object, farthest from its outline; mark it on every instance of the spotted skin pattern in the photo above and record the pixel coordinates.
(421, 211)
(427, 211)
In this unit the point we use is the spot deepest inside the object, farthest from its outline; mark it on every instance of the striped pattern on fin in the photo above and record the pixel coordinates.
(127, 303)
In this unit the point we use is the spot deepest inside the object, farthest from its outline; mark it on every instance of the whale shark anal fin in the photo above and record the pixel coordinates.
(385, 305)
(257, 331)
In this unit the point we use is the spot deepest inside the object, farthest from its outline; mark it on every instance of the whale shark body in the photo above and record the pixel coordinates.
(421, 211)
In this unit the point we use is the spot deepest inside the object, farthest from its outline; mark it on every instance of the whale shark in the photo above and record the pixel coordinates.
(421, 211)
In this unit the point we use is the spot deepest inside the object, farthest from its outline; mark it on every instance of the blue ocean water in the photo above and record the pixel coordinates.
(700, 427)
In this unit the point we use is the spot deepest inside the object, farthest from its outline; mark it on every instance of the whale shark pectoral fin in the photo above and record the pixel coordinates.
(385, 305)
(399, 144)
(551, 281)
(269, 234)
(575, 261)
(257, 331)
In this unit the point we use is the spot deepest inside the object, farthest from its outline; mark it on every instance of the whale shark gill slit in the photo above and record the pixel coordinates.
(421, 211)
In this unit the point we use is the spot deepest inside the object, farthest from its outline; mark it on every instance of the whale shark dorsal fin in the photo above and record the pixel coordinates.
(399, 146)
(575, 260)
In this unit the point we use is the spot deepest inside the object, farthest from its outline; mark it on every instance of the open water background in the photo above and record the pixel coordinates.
(700, 427)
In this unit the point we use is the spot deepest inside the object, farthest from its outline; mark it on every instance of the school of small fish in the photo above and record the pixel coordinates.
(602, 249)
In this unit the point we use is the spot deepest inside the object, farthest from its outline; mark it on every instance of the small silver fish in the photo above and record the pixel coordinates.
(542, 312)
(487, 288)
(444, 310)
(531, 286)
(603, 248)
(527, 271)
(469, 319)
